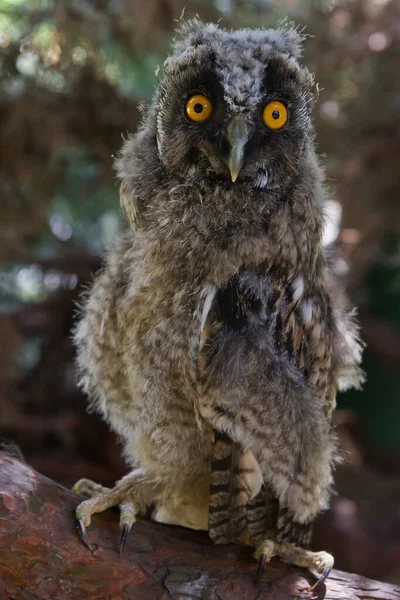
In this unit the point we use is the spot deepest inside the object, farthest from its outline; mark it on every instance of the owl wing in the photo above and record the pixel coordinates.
(347, 345)
(321, 334)
(304, 337)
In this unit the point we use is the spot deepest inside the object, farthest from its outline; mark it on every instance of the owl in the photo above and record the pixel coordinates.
(215, 339)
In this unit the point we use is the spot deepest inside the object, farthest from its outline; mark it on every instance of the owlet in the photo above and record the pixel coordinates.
(214, 340)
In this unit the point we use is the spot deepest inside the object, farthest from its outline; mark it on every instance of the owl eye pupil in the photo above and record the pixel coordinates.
(198, 108)
(276, 114)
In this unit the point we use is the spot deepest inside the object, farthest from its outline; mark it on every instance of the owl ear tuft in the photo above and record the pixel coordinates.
(190, 26)
(193, 33)
(191, 47)
(288, 39)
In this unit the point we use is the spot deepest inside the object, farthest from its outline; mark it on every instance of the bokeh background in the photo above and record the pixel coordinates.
(72, 74)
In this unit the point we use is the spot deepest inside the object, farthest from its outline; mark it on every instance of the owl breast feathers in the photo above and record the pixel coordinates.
(215, 339)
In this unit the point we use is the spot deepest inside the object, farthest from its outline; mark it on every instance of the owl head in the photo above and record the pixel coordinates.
(234, 106)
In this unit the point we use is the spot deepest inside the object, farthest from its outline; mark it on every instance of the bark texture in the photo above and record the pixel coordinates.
(42, 558)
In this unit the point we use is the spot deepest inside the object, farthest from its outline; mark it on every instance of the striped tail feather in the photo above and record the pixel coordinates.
(262, 515)
(235, 480)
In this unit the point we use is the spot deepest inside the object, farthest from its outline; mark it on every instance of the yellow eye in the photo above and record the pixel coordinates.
(275, 115)
(198, 108)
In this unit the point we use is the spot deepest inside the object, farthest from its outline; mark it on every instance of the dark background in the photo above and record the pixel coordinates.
(71, 76)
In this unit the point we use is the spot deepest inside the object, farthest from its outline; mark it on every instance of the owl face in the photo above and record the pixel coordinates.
(234, 106)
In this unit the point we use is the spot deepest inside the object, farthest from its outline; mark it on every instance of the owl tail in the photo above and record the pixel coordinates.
(262, 515)
(236, 482)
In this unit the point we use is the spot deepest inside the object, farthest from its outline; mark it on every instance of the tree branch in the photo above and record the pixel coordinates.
(41, 556)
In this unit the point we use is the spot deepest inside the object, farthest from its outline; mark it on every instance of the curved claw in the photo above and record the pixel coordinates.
(124, 535)
(261, 564)
(83, 533)
(321, 580)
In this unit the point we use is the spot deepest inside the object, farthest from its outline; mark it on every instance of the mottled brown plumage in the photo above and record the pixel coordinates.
(214, 340)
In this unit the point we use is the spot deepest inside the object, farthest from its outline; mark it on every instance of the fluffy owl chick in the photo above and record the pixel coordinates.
(214, 340)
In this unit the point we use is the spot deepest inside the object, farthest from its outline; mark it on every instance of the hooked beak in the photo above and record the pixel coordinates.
(238, 135)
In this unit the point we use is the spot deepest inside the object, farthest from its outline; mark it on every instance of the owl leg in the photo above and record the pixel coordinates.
(131, 494)
(291, 545)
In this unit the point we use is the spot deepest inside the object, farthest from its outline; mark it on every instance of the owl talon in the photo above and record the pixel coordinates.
(83, 533)
(321, 580)
(263, 554)
(261, 564)
(128, 512)
(124, 535)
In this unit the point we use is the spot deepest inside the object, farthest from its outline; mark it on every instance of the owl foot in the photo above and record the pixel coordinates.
(321, 561)
(182, 502)
(99, 499)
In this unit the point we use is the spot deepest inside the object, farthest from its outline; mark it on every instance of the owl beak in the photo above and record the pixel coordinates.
(238, 135)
